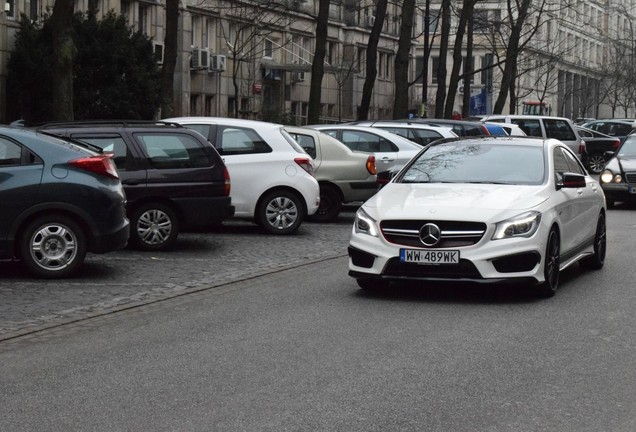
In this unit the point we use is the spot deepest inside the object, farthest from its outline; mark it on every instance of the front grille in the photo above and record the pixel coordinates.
(454, 234)
(631, 177)
(464, 270)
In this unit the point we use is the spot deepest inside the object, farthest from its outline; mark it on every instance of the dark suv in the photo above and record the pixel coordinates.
(173, 177)
(59, 200)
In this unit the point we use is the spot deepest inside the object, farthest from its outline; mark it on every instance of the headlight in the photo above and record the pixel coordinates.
(524, 225)
(365, 224)
(609, 177)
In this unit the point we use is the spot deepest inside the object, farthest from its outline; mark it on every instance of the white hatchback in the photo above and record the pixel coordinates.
(272, 176)
(483, 210)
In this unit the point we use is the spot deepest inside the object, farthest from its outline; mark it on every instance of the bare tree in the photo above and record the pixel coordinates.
(318, 64)
(400, 107)
(372, 58)
(440, 96)
(63, 57)
(170, 58)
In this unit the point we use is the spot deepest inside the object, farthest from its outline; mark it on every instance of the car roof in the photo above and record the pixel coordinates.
(523, 116)
(224, 120)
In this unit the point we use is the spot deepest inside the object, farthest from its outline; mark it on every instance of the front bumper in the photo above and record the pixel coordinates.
(619, 191)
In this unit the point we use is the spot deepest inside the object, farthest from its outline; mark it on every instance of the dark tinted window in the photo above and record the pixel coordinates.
(531, 127)
(109, 144)
(420, 136)
(307, 142)
(367, 142)
(559, 129)
(173, 151)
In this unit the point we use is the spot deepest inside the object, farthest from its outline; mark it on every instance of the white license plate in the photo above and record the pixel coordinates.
(429, 256)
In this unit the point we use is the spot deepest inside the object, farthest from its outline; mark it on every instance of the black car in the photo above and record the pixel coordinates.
(462, 128)
(597, 144)
(618, 128)
(173, 177)
(59, 201)
(618, 179)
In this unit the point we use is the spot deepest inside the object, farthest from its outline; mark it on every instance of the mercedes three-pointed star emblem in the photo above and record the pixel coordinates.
(430, 234)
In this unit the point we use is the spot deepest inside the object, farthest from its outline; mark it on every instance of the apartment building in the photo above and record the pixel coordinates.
(237, 58)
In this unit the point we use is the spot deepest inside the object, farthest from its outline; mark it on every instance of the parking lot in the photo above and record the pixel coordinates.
(201, 260)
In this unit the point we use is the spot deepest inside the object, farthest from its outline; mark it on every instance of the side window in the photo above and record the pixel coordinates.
(10, 153)
(560, 163)
(585, 134)
(398, 131)
(233, 140)
(559, 129)
(110, 144)
(165, 150)
(366, 142)
(531, 127)
(307, 143)
(623, 129)
(203, 129)
(573, 163)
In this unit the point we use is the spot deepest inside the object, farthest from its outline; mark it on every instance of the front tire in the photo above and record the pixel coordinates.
(551, 267)
(330, 204)
(280, 212)
(53, 246)
(596, 261)
(154, 227)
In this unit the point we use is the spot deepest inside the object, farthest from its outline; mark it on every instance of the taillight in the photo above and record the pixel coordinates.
(100, 164)
(373, 170)
(582, 148)
(306, 164)
(226, 175)
(616, 144)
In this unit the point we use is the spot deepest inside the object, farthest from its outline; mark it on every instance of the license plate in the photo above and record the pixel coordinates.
(429, 257)
(632, 190)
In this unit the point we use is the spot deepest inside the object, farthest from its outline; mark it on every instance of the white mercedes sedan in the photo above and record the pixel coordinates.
(488, 209)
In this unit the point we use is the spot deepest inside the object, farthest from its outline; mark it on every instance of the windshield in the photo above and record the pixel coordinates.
(478, 163)
(628, 149)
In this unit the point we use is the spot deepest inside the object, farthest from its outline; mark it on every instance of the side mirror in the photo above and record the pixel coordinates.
(571, 181)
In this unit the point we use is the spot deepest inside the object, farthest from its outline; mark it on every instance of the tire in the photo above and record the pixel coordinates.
(330, 204)
(551, 265)
(280, 212)
(372, 284)
(53, 246)
(596, 163)
(154, 227)
(596, 261)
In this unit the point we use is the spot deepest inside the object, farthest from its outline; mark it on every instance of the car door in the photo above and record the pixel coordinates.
(20, 177)
(577, 208)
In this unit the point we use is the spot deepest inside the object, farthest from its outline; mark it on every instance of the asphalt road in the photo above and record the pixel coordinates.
(300, 348)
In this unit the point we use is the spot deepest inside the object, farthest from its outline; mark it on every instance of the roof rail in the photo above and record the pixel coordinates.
(120, 123)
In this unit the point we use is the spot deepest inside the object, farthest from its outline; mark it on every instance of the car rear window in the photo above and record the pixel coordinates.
(559, 129)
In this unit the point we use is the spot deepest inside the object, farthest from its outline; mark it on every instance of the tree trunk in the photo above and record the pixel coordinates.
(440, 97)
(63, 56)
(509, 75)
(318, 65)
(467, 11)
(372, 59)
(401, 104)
(169, 59)
(468, 68)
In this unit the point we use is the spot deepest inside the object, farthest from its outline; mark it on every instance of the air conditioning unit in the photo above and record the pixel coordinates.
(217, 63)
(158, 51)
(195, 59)
(298, 76)
(370, 21)
(204, 62)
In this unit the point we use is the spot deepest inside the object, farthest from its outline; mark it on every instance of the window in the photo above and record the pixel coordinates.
(9, 8)
(143, 18)
(233, 140)
(367, 142)
(34, 10)
(165, 151)
(307, 142)
(434, 69)
(269, 49)
(529, 126)
(558, 129)
(10, 153)
(114, 144)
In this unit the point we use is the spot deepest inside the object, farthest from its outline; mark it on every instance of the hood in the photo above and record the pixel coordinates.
(453, 201)
(628, 163)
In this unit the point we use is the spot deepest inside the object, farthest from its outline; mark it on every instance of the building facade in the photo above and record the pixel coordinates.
(252, 59)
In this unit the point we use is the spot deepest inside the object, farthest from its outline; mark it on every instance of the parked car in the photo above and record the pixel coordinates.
(60, 200)
(504, 129)
(492, 209)
(344, 176)
(420, 133)
(618, 178)
(172, 176)
(391, 151)
(597, 144)
(618, 128)
(560, 128)
(461, 128)
(272, 176)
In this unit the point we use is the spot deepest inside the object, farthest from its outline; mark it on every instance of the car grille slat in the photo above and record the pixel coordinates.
(631, 177)
(453, 233)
